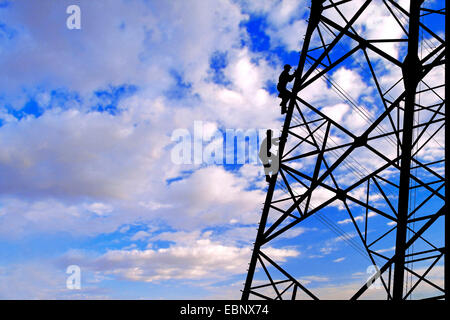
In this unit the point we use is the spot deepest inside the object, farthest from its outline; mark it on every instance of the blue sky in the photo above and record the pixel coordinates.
(86, 119)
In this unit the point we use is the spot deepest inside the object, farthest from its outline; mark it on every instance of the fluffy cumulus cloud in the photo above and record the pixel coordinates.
(205, 201)
(193, 256)
(285, 20)
(93, 153)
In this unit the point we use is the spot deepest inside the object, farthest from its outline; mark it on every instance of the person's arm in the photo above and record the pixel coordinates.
(292, 76)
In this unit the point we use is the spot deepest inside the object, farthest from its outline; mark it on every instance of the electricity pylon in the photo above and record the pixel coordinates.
(386, 172)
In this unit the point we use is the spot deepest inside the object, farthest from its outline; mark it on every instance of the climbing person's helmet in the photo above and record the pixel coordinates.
(287, 67)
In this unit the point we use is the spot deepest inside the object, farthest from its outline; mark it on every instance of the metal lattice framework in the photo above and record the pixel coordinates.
(388, 168)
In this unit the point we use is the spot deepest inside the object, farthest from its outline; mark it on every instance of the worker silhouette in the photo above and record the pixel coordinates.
(283, 80)
(270, 160)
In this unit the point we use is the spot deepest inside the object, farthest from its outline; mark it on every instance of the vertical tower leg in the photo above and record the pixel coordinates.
(411, 69)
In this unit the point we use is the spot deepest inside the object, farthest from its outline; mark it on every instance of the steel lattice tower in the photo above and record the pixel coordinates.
(386, 175)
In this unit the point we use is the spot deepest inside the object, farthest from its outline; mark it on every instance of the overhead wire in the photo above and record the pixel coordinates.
(357, 170)
(362, 111)
(360, 174)
(331, 225)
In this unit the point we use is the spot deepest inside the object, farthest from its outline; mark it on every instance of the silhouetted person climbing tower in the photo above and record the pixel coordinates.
(283, 80)
(271, 162)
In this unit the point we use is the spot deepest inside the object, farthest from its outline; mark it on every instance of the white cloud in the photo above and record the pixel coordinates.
(194, 259)
(351, 82)
(359, 218)
(290, 35)
(336, 112)
(41, 279)
(130, 41)
(68, 154)
(212, 195)
(99, 208)
(386, 250)
(140, 235)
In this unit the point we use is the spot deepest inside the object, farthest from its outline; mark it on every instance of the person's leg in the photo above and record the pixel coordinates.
(283, 104)
(267, 169)
(284, 100)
